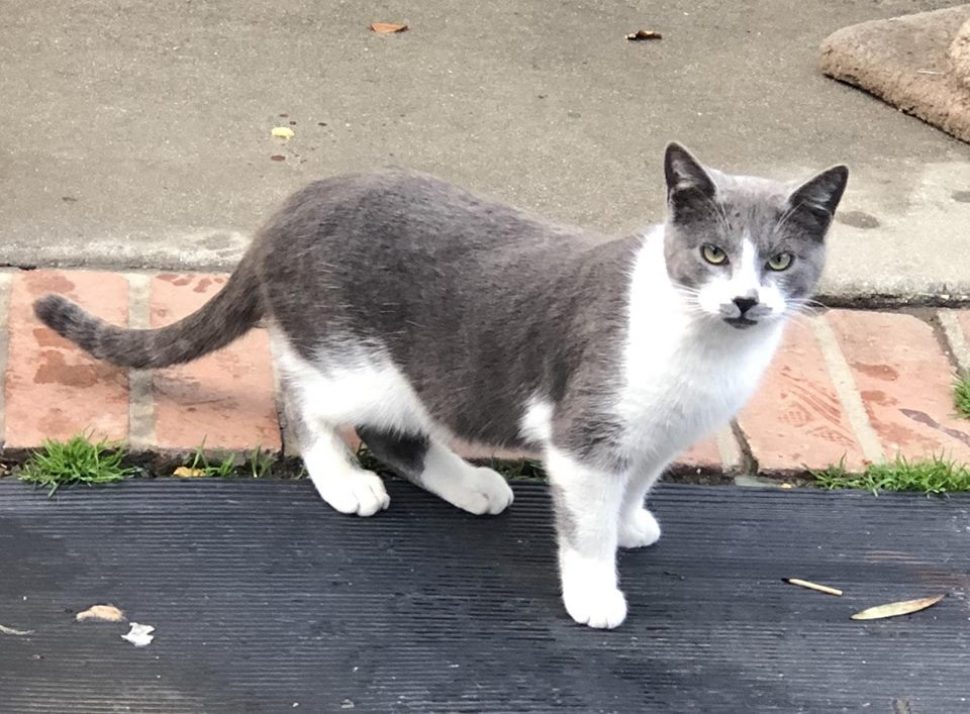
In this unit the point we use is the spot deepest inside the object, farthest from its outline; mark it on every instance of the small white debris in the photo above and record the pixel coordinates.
(140, 635)
(14, 631)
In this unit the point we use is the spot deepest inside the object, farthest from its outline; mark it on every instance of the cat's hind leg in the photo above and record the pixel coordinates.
(338, 479)
(428, 462)
(331, 466)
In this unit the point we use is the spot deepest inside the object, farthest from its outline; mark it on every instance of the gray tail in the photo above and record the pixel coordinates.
(227, 316)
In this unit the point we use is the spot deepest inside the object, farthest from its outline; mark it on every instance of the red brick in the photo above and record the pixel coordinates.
(703, 454)
(226, 398)
(53, 389)
(906, 383)
(796, 420)
(963, 318)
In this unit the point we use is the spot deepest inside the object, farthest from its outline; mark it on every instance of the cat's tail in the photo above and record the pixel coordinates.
(230, 314)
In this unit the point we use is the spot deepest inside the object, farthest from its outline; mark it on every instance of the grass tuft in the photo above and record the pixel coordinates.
(961, 395)
(77, 461)
(259, 464)
(933, 476)
(221, 469)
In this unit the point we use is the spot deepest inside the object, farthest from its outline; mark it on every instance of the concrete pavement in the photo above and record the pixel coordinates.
(138, 134)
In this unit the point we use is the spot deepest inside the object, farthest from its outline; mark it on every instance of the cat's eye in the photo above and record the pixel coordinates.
(782, 261)
(713, 255)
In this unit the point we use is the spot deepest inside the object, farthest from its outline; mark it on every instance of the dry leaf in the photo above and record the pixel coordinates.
(282, 132)
(14, 631)
(387, 28)
(188, 472)
(641, 35)
(107, 613)
(813, 586)
(139, 635)
(893, 609)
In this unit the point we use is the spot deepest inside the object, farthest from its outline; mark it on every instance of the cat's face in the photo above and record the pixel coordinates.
(745, 251)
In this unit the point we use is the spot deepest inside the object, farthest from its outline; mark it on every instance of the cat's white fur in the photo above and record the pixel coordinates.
(364, 386)
(684, 375)
(685, 372)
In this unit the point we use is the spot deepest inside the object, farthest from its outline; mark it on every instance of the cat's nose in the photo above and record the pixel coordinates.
(745, 303)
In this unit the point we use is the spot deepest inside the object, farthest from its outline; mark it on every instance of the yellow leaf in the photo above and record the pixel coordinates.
(893, 609)
(387, 28)
(282, 132)
(186, 472)
(108, 613)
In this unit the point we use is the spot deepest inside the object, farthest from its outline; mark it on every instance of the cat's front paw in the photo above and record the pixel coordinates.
(639, 529)
(595, 604)
(355, 492)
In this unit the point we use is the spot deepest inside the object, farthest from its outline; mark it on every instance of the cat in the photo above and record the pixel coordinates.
(418, 314)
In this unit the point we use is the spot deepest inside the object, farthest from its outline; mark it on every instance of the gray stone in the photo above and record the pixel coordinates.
(904, 61)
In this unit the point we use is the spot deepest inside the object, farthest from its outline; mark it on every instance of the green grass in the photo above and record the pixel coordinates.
(221, 469)
(77, 461)
(259, 464)
(961, 395)
(936, 475)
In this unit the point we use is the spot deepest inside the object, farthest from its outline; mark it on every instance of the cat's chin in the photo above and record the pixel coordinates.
(741, 323)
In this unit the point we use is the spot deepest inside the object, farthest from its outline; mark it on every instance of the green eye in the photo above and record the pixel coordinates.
(782, 261)
(713, 255)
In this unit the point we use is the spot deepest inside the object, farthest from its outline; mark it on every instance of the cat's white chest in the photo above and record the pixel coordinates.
(683, 375)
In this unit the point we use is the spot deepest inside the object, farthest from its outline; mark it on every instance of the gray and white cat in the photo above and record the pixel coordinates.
(420, 315)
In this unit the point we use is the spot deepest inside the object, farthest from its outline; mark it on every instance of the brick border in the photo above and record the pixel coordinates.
(810, 404)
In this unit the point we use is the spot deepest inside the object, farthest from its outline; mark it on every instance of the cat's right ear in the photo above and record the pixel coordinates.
(689, 188)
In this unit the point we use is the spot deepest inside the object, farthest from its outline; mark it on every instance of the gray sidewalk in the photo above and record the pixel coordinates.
(140, 137)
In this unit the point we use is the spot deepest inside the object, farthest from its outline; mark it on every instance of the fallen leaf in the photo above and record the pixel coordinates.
(107, 613)
(282, 132)
(188, 472)
(14, 631)
(139, 635)
(813, 586)
(893, 609)
(641, 35)
(387, 28)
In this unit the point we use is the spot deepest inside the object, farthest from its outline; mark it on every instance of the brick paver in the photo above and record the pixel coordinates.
(906, 383)
(226, 398)
(848, 384)
(796, 419)
(52, 389)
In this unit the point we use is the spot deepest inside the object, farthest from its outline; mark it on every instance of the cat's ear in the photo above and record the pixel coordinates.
(817, 198)
(690, 191)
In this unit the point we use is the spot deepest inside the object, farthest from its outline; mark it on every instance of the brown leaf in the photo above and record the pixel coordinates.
(387, 28)
(893, 609)
(188, 472)
(641, 35)
(106, 613)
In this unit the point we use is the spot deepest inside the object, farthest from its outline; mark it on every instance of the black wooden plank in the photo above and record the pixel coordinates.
(266, 601)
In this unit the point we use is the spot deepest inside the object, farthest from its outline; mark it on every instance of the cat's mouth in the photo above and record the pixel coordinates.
(740, 323)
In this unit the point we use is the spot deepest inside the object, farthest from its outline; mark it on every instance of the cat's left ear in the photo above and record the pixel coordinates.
(817, 198)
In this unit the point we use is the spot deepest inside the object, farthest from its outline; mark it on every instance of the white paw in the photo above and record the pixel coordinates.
(595, 604)
(639, 529)
(481, 490)
(353, 491)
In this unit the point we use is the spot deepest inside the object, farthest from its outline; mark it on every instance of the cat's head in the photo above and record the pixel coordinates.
(744, 250)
